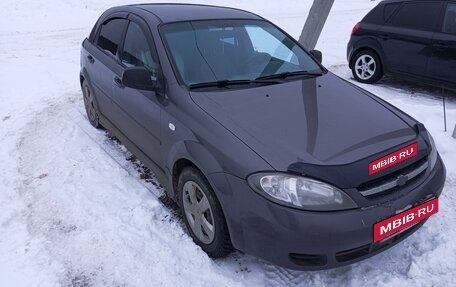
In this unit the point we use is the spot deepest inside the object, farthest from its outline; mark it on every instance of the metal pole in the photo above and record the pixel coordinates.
(314, 24)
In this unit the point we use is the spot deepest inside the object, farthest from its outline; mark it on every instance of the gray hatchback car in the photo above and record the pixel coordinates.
(264, 150)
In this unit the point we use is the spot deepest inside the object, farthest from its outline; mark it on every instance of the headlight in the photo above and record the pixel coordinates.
(300, 192)
(433, 154)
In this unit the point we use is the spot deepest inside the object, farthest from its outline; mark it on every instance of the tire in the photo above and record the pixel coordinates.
(367, 67)
(90, 105)
(201, 210)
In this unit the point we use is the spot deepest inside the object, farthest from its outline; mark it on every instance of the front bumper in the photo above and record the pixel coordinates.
(307, 240)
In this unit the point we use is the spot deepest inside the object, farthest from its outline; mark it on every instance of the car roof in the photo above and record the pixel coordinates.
(189, 12)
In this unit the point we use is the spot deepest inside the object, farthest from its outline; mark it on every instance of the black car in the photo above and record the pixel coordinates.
(409, 39)
(264, 150)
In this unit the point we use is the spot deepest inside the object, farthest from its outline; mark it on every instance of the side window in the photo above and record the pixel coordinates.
(110, 35)
(375, 16)
(449, 22)
(416, 15)
(136, 50)
(381, 13)
(389, 10)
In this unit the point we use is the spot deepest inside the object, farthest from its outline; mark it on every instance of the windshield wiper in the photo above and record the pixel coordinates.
(226, 83)
(290, 74)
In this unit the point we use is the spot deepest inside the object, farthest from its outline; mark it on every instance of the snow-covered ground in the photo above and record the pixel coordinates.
(74, 210)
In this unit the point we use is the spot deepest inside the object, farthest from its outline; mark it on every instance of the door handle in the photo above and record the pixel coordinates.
(91, 59)
(118, 82)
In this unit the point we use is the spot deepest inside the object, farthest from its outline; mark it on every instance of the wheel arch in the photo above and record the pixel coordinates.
(81, 79)
(84, 75)
(190, 153)
(370, 45)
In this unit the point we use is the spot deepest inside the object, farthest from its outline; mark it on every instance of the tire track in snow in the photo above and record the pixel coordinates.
(101, 224)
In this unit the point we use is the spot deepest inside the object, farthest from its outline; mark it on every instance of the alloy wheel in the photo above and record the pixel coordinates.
(198, 212)
(89, 104)
(365, 67)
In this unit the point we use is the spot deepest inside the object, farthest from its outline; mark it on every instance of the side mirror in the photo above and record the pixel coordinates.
(138, 78)
(317, 55)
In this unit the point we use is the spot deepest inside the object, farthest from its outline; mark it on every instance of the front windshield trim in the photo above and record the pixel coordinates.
(177, 74)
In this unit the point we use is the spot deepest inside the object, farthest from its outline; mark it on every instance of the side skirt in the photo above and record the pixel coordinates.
(158, 172)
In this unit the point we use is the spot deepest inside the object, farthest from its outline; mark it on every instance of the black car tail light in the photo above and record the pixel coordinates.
(356, 28)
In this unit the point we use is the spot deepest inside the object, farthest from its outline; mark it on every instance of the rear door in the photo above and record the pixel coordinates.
(139, 111)
(407, 37)
(442, 65)
(104, 64)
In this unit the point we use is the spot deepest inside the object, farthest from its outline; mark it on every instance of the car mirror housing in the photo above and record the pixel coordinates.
(317, 55)
(138, 78)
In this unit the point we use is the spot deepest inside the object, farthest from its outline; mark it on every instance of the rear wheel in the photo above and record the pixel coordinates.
(203, 214)
(366, 67)
(90, 105)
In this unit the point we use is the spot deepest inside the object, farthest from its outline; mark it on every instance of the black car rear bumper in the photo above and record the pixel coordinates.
(313, 240)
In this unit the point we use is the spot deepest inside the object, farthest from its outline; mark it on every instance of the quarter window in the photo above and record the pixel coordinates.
(110, 35)
(449, 24)
(419, 16)
(136, 50)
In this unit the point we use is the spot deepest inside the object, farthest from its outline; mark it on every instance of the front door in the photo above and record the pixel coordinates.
(139, 111)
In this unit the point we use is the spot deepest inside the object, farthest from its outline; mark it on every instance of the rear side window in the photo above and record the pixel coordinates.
(110, 35)
(416, 15)
(375, 16)
(381, 13)
(389, 10)
(449, 23)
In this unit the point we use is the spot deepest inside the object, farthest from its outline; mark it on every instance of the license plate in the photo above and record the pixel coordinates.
(404, 220)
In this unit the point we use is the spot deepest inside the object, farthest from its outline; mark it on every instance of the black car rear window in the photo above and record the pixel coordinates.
(381, 13)
(375, 16)
(417, 15)
(449, 23)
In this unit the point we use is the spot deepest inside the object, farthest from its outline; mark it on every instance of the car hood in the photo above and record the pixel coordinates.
(316, 121)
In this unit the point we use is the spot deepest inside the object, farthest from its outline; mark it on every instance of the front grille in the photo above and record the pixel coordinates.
(391, 182)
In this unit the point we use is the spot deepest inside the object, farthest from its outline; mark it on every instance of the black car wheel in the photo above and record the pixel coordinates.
(366, 67)
(90, 105)
(203, 214)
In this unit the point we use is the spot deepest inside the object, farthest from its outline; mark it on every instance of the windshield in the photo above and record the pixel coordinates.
(230, 50)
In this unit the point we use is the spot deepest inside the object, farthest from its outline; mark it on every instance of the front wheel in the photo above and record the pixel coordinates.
(367, 67)
(203, 214)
